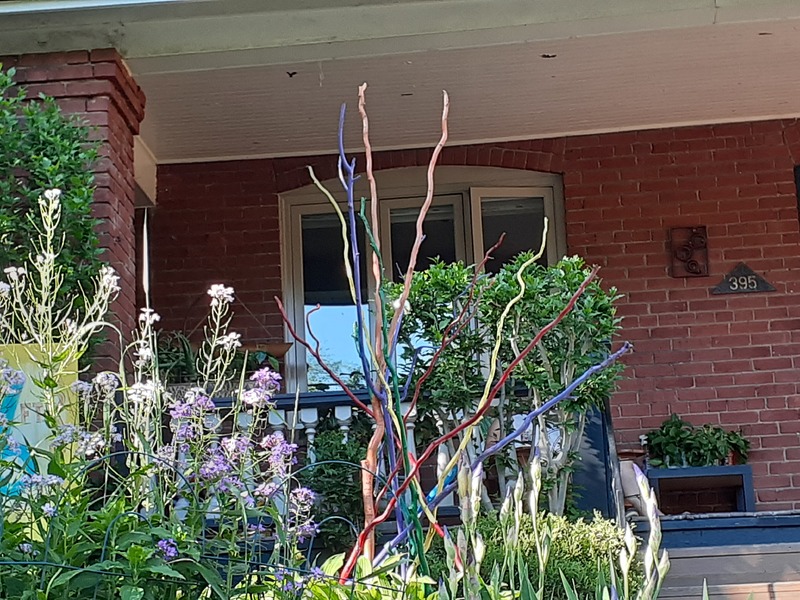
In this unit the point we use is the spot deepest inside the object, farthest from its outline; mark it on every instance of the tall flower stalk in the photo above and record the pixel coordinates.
(151, 489)
(52, 335)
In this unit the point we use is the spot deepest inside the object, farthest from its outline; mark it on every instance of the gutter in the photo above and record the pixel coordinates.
(23, 7)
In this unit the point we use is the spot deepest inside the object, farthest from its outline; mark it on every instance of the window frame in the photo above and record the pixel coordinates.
(460, 221)
(402, 188)
(477, 195)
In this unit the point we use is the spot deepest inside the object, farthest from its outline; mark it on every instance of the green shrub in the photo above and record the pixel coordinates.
(338, 488)
(580, 549)
(41, 148)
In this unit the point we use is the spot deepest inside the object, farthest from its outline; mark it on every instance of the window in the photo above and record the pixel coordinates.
(469, 213)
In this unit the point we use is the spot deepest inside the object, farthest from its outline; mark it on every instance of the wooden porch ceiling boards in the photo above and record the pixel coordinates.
(228, 79)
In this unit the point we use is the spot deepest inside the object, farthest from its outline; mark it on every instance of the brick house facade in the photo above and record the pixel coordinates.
(729, 360)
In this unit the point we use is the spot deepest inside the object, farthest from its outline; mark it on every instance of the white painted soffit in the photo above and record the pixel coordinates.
(638, 80)
(228, 79)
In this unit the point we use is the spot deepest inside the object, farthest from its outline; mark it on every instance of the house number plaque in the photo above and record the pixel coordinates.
(742, 280)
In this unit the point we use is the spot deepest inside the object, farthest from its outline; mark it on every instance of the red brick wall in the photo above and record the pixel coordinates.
(97, 87)
(729, 360)
(217, 223)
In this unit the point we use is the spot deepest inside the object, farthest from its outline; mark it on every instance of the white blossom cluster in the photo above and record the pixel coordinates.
(220, 294)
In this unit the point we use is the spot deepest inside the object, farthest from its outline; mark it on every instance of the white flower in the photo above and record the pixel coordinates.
(148, 316)
(46, 257)
(141, 392)
(90, 444)
(229, 341)
(143, 353)
(82, 388)
(53, 195)
(69, 327)
(4, 288)
(106, 382)
(27, 549)
(109, 279)
(220, 293)
(15, 273)
(406, 305)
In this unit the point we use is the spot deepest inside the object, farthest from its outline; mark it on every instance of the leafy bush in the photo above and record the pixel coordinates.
(338, 487)
(580, 549)
(41, 148)
(579, 341)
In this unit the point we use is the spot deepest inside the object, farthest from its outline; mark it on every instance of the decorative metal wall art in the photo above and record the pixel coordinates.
(689, 251)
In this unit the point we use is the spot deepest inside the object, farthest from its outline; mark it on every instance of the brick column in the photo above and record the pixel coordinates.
(96, 86)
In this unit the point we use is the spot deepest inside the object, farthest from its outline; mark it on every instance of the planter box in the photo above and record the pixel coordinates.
(726, 488)
(701, 531)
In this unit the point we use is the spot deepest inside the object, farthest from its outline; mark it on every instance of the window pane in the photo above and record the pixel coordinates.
(521, 219)
(325, 283)
(439, 240)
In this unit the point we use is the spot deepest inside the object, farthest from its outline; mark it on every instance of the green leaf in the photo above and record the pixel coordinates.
(526, 591)
(64, 577)
(568, 589)
(333, 565)
(137, 555)
(165, 570)
(130, 592)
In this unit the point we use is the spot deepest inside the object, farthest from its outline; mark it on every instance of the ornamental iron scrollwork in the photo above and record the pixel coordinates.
(689, 251)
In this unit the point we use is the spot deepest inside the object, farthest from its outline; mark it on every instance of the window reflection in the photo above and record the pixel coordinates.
(521, 219)
(325, 284)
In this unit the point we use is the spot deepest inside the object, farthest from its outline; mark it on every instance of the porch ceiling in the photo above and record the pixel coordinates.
(237, 79)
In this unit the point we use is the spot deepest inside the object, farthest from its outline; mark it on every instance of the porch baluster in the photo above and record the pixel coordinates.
(410, 414)
(310, 419)
(343, 416)
(277, 419)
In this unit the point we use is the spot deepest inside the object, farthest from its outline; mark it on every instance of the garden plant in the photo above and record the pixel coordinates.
(137, 494)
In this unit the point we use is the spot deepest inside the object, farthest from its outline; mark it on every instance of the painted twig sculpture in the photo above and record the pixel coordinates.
(403, 496)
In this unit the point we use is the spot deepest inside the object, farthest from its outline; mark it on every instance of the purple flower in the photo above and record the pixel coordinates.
(230, 483)
(266, 490)
(302, 499)
(13, 446)
(185, 430)
(267, 379)
(308, 529)
(67, 434)
(279, 454)
(204, 404)
(236, 447)
(257, 398)
(168, 548)
(40, 484)
(49, 510)
(215, 466)
(257, 529)
(180, 410)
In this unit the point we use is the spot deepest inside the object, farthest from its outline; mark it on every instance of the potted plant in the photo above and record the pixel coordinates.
(678, 443)
(686, 460)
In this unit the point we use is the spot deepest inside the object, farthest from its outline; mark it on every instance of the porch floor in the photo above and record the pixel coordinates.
(767, 571)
